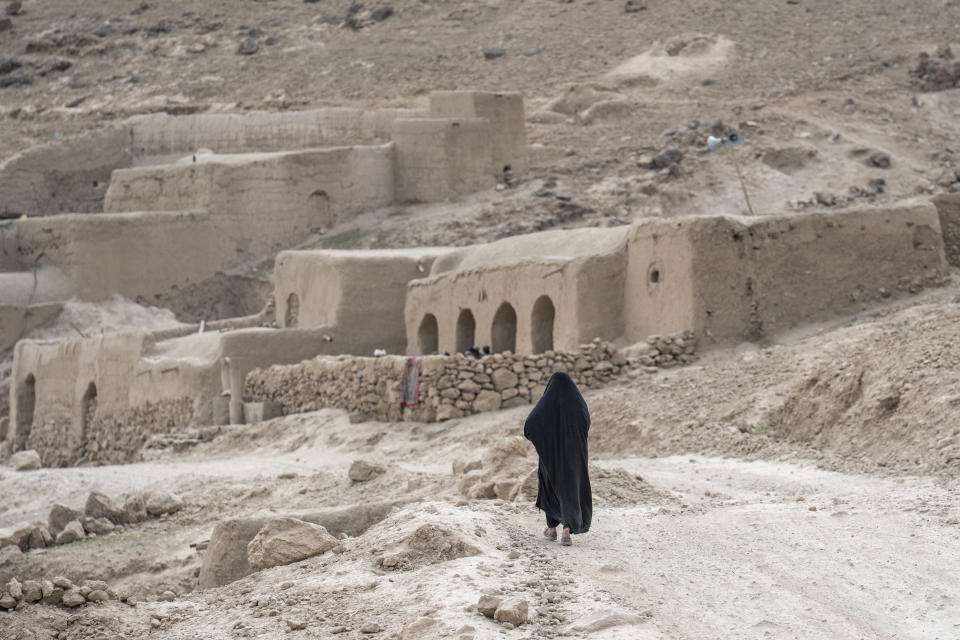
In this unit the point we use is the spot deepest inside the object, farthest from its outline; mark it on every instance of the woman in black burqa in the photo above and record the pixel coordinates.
(558, 428)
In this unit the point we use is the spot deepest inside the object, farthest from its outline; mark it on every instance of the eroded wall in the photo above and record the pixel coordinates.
(760, 278)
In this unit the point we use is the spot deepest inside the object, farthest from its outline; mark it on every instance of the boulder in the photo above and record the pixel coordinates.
(162, 503)
(487, 605)
(361, 471)
(7, 601)
(286, 540)
(73, 598)
(225, 559)
(71, 533)
(15, 589)
(134, 509)
(60, 516)
(40, 538)
(99, 505)
(97, 595)
(25, 460)
(17, 535)
(99, 526)
(32, 591)
(513, 611)
(10, 555)
(62, 582)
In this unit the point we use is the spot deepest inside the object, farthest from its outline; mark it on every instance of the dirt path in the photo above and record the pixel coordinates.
(775, 551)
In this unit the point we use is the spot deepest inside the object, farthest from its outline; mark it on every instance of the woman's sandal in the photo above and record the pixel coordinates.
(565, 539)
(550, 533)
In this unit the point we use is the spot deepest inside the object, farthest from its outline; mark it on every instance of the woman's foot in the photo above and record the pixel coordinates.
(550, 533)
(565, 539)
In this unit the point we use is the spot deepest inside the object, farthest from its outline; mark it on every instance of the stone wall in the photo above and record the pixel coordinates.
(450, 386)
(948, 209)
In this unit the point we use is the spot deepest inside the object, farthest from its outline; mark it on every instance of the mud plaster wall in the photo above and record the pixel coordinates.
(439, 158)
(759, 278)
(60, 177)
(450, 386)
(16, 320)
(948, 209)
(361, 293)
(482, 293)
(265, 199)
(133, 254)
(505, 113)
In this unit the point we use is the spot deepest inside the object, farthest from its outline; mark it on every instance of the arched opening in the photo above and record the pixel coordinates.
(292, 317)
(88, 408)
(504, 331)
(428, 335)
(26, 403)
(466, 330)
(541, 324)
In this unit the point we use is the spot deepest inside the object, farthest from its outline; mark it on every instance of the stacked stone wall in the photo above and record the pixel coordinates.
(450, 386)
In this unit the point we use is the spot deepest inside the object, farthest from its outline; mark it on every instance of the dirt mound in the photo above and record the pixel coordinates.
(429, 544)
(619, 488)
(499, 473)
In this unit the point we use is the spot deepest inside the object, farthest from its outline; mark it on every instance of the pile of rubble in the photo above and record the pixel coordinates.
(101, 515)
(58, 592)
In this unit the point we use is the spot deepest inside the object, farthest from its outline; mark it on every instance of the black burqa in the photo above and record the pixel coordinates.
(558, 428)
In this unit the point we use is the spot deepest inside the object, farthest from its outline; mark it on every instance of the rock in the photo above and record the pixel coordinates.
(99, 526)
(8, 65)
(634, 6)
(28, 460)
(14, 8)
(7, 601)
(98, 595)
(248, 47)
(487, 401)
(62, 582)
(361, 471)
(469, 386)
(40, 538)
(161, 503)
(60, 516)
(32, 591)
(286, 540)
(15, 589)
(10, 555)
(296, 624)
(134, 509)
(493, 53)
(73, 598)
(46, 588)
(18, 535)
(487, 605)
(381, 14)
(5, 24)
(879, 159)
(99, 505)
(513, 611)
(504, 379)
(71, 533)
(353, 520)
(666, 159)
(370, 627)
(447, 412)
(225, 560)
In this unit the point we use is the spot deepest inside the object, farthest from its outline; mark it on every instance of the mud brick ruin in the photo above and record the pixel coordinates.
(159, 202)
